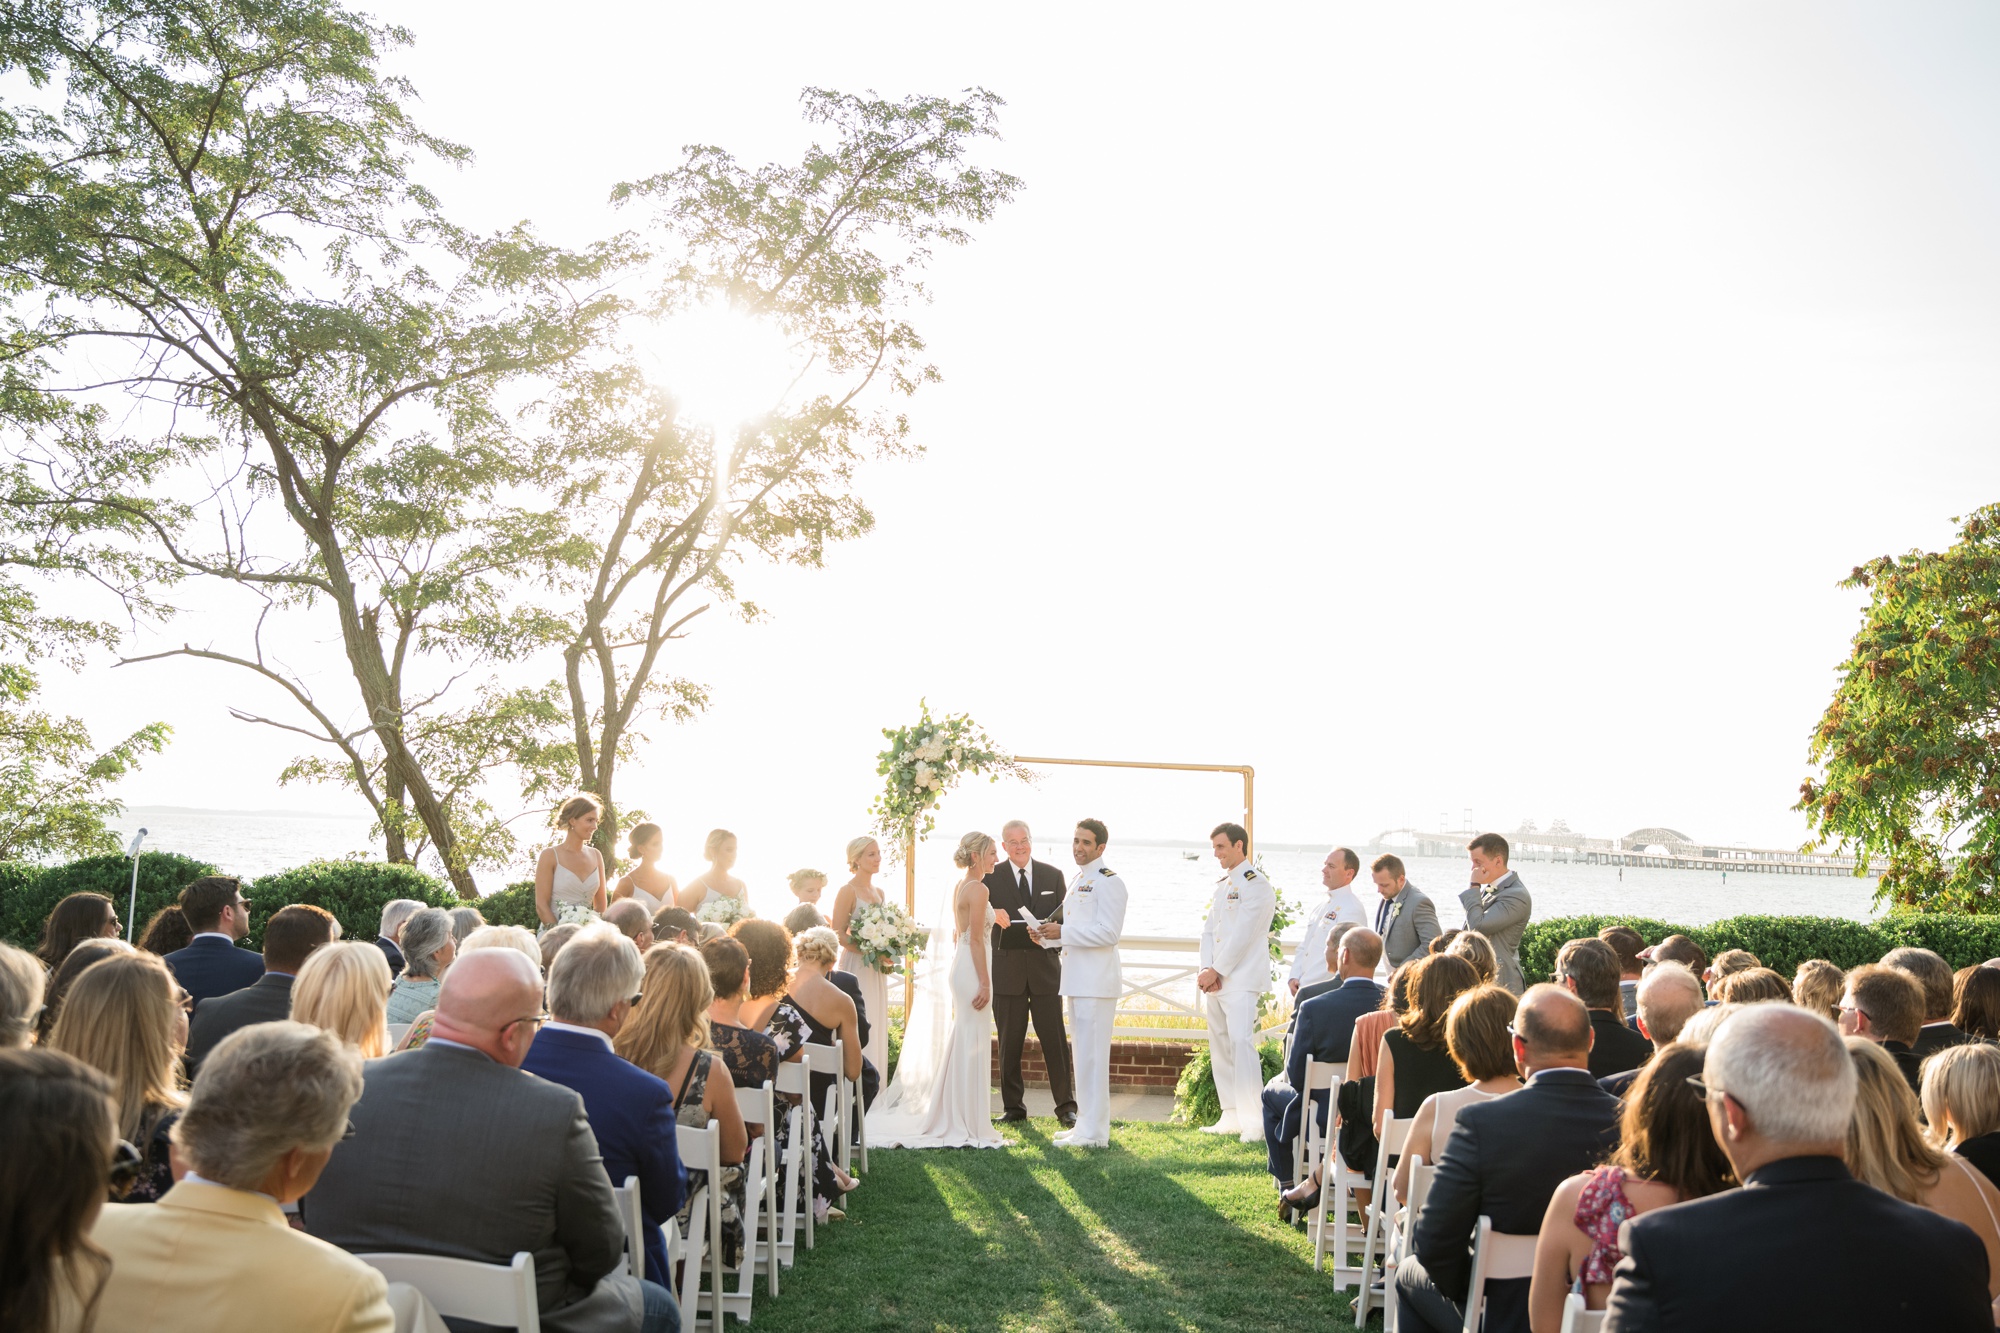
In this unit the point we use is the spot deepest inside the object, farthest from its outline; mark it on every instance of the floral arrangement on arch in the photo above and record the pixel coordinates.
(923, 762)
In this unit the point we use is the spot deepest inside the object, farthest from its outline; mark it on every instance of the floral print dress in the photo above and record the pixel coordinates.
(792, 1029)
(689, 1111)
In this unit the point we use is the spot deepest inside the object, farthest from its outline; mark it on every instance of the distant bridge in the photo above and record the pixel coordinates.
(1660, 847)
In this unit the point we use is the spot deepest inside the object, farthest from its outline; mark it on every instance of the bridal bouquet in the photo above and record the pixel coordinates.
(724, 911)
(922, 763)
(886, 935)
(578, 914)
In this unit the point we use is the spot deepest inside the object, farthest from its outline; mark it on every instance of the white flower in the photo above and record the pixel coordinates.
(957, 755)
(924, 775)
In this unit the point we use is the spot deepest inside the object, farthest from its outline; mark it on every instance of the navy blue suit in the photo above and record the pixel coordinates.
(213, 966)
(632, 1114)
(1324, 1031)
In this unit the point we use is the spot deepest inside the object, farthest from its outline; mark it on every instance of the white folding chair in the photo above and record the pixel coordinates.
(498, 1294)
(634, 1214)
(1496, 1257)
(759, 1106)
(795, 1198)
(1321, 1076)
(1381, 1212)
(1421, 1176)
(1576, 1319)
(731, 1290)
(855, 1117)
(398, 1031)
(701, 1246)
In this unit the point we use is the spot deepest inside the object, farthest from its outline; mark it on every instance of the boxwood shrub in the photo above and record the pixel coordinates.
(354, 891)
(1783, 942)
(1195, 1102)
(31, 894)
(511, 906)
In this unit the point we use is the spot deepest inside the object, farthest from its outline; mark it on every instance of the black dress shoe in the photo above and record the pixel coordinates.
(1068, 1119)
(1009, 1117)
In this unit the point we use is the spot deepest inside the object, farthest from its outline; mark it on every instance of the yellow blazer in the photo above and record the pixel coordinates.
(209, 1259)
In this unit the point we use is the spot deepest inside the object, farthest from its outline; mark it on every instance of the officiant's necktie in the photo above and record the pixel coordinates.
(1023, 875)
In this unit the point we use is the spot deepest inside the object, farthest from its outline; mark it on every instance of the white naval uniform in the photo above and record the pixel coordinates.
(1093, 919)
(1309, 963)
(1236, 942)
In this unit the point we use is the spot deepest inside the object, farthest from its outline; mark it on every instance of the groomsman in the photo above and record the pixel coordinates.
(1497, 906)
(1027, 979)
(1406, 920)
(1309, 964)
(1235, 970)
(1093, 919)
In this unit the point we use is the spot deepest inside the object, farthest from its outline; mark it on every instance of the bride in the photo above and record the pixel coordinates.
(942, 1094)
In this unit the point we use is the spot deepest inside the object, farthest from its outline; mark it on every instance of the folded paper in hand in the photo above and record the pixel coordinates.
(1027, 918)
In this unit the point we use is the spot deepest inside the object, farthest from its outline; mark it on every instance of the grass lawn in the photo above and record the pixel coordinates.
(1167, 1229)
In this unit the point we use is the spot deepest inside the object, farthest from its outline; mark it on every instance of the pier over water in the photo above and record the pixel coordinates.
(1660, 847)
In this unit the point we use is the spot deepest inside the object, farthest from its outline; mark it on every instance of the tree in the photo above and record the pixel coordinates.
(1909, 749)
(213, 219)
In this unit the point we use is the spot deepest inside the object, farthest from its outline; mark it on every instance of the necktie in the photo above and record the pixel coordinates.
(1023, 874)
(1382, 917)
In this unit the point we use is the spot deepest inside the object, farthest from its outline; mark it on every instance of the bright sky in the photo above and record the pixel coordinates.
(1436, 407)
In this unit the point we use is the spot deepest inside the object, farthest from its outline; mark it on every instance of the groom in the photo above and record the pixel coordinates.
(1027, 979)
(1093, 919)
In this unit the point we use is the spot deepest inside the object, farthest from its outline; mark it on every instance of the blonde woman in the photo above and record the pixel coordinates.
(1477, 950)
(569, 877)
(518, 938)
(1886, 1148)
(344, 989)
(127, 1017)
(646, 884)
(714, 883)
(1962, 1103)
(816, 1012)
(667, 1036)
(864, 859)
(1818, 986)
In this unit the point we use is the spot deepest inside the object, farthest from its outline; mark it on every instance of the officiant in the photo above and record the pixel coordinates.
(1027, 978)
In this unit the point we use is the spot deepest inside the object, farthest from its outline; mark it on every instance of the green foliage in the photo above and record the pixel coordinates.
(30, 899)
(1195, 1102)
(925, 760)
(354, 891)
(1909, 749)
(511, 906)
(1783, 942)
(52, 779)
(1542, 940)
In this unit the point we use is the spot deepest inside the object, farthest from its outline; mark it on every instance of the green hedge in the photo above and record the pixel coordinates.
(354, 891)
(1783, 942)
(511, 906)
(1195, 1102)
(30, 894)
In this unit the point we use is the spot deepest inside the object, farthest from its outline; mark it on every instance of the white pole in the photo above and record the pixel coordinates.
(132, 904)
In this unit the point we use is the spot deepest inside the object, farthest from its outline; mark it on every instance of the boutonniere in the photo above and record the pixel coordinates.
(1395, 911)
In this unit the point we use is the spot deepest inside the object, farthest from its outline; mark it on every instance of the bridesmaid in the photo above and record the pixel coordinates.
(715, 882)
(864, 858)
(646, 884)
(571, 873)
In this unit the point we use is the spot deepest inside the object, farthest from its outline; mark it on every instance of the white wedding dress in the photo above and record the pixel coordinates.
(942, 1093)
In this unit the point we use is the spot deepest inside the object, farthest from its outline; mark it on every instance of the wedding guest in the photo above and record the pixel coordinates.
(464, 920)
(1405, 918)
(79, 917)
(1629, 945)
(1669, 999)
(455, 1151)
(1818, 986)
(81, 957)
(1886, 1007)
(63, 1158)
(1665, 1156)
(1475, 1032)
(1323, 1030)
(1589, 970)
(751, 1057)
(1415, 1062)
(1700, 1029)
(265, 1114)
(343, 988)
(1505, 1159)
(1933, 974)
(1779, 1085)
(807, 885)
(815, 1012)
(290, 937)
(1728, 961)
(22, 984)
(1497, 905)
(593, 989)
(674, 925)
(569, 877)
(864, 861)
(1331, 981)
(518, 938)
(632, 922)
(553, 940)
(802, 919)
(1443, 942)
(667, 1035)
(1961, 1101)
(1679, 949)
(645, 884)
(127, 1017)
(1312, 962)
(1978, 1009)
(428, 952)
(166, 931)
(1477, 950)
(1753, 985)
(715, 883)
(1364, 1053)
(220, 917)
(770, 950)
(1887, 1148)
(394, 913)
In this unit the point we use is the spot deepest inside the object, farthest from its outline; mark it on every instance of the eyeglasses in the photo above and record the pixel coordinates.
(536, 1019)
(126, 1166)
(636, 997)
(349, 1132)
(1705, 1091)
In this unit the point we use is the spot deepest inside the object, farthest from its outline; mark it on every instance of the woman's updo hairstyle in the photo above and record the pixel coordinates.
(640, 835)
(856, 846)
(712, 844)
(576, 807)
(819, 944)
(970, 848)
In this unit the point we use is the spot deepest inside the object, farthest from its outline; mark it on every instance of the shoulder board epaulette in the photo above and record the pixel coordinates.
(1104, 870)
(1249, 874)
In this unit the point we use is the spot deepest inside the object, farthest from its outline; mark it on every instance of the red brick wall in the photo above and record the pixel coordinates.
(1136, 1066)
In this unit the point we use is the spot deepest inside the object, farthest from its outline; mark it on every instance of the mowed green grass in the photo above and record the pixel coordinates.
(1168, 1229)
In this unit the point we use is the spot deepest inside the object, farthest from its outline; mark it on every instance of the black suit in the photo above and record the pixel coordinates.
(268, 1001)
(392, 952)
(1803, 1245)
(212, 966)
(1615, 1048)
(1027, 981)
(1504, 1161)
(1909, 1062)
(871, 1077)
(1935, 1037)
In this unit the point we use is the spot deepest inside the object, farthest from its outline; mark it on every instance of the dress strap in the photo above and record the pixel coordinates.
(1977, 1176)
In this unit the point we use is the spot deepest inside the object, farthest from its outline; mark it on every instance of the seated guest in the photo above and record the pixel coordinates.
(290, 936)
(676, 925)
(750, 1057)
(1961, 1101)
(1669, 997)
(79, 917)
(802, 919)
(128, 1018)
(428, 951)
(1698, 1030)
(1934, 975)
(1977, 1012)
(1628, 944)
(1779, 1085)
(1752, 985)
(264, 1115)
(1589, 970)
(166, 931)
(22, 982)
(770, 949)
(1332, 981)
(1365, 1051)
(1477, 950)
(344, 989)
(1414, 1062)
(632, 922)
(518, 938)
(553, 940)
(394, 913)
(1324, 1031)
(807, 886)
(592, 989)
(1475, 1031)
(1818, 986)
(456, 1152)
(63, 1157)
(816, 1012)
(464, 920)
(1505, 1159)
(1678, 949)
(1886, 1007)
(1665, 1156)
(1886, 1148)
(81, 957)
(1728, 961)
(665, 1035)
(211, 964)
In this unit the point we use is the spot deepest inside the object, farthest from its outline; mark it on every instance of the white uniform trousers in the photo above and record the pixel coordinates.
(1090, 1023)
(1232, 1054)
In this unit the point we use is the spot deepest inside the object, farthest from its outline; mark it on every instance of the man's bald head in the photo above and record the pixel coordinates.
(1669, 995)
(1551, 1029)
(1361, 950)
(486, 1001)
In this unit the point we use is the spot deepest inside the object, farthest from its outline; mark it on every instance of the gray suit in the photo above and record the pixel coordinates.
(1500, 913)
(458, 1155)
(1409, 926)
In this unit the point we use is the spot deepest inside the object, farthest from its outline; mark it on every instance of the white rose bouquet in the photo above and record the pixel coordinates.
(886, 935)
(724, 911)
(579, 914)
